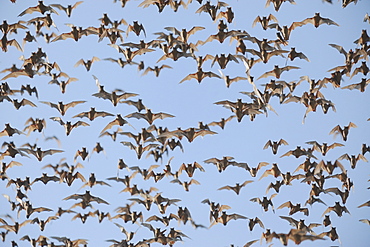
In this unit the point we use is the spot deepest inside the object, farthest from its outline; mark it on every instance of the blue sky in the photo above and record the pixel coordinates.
(190, 102)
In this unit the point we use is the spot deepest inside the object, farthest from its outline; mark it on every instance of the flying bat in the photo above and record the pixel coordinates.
(190, 168)
(317, 20)
(359, 86)
(156, 69)
(5, 43)
(200, 75)
(61, 107)
(67, 9)
(337, 208)
(45, 179)
(264, 20)
(42, 223)
(10, 131)
(183, 35)
(294, 208)
(294, 54)
(87, 63)
(6, 28)
(63, 84)
(86, 197)
(29, 90)
(276, 72)
(129, 54)
(353, 159)
(342, 131)
(223, 60)
(275, 145)
(211, 9)
(264, 55)
(40, 154)
(277, 3)
(83, 217)
(229, 80)
(140, 149)
(41, 7)
(324, 148)
(225, 218)
(185, 184)
(68, 125)
(237, 187)
(92, 114)
(18, 104)
(149, 116)
(265, 202)
(118, 121)
(222, 122)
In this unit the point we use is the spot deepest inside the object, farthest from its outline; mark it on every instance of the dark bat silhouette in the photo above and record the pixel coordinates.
(41, 7)
(264, 21)
(61, 107)
(92, 114)
(237, 187)
(67, 9)
(342, 131)
(68, 125)
(317, 20)
(275, 145)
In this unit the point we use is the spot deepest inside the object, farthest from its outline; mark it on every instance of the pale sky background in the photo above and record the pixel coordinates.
(190, 103)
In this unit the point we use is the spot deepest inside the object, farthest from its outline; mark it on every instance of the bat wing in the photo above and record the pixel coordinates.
(193, 181)
(79, 62)
(250, 243)
(136, 115)
(235, 217)
(291, 221)
(246, 182)
(267, 74)
(328, 210)
(227, 187)
(194, 29)
(258, 19)
(268, 144)
(103, 114)
(29, 10)
(285, 204)
(287, 154)
(283, 142)
(162, 115)
(327, 21)
(80, 123)
(188, 77)
(99, 200)
(42, 209)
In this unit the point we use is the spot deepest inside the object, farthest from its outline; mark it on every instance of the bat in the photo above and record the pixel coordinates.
(40, 154)
(275, 145)
(68, 125)
(276, 72)
(136, 28)
(87, 63)
(317, 20)
(342, 131)
(92, 114)
(294, 208)
(149, 116)
(41, 7)
(236, 188)
(200, 75)
(68, 9)
(61, 107)
(264, 21)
